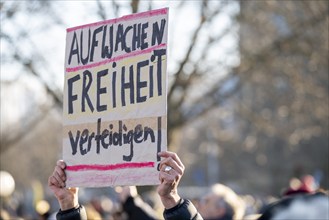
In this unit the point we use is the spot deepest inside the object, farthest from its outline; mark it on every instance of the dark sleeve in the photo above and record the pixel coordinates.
(185, 210)
(78, 213)
(136, 208)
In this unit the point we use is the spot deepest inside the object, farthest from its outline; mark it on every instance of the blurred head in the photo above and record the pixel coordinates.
(4, 215)
(305, 185)
(92, 213)
(302, 206)
(316, 208)
(221, 203)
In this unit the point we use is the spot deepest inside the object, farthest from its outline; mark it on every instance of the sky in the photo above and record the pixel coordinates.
(46, 42)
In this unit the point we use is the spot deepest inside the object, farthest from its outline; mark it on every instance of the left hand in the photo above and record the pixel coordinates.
(67, 197)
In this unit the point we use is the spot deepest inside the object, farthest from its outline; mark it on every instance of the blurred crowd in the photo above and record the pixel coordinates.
(301, 199)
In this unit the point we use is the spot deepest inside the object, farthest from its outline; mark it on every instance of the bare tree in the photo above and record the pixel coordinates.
(276, 123)
(189, 72)
(255, 74)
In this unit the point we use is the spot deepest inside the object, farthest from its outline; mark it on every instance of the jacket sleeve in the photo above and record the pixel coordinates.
(77, 213)
(185, 210)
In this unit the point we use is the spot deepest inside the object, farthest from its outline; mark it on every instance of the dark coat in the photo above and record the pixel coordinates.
(184, 210)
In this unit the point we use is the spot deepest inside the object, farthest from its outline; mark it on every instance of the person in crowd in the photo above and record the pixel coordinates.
(304, 185)
(4, 215)
(171, 171)
(221, 203)
(134, 206)
(306, 206)
(301, 200)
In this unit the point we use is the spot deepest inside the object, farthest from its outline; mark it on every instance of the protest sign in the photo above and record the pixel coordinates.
(115, 100)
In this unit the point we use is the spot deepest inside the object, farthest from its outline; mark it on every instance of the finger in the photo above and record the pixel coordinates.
(52, 181)
(61, 164)
(61, 173)
(160, 178)
(169, 176)
(59, 180)
(166, 178)
(172, 163)
(173, 155)
(175, 169)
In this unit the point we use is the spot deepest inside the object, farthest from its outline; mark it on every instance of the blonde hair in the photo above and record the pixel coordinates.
(230, 199)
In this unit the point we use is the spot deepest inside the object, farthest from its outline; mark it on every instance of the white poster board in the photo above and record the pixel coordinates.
(115, 100)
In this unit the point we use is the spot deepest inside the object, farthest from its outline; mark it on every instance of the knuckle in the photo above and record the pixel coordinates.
(181, 171)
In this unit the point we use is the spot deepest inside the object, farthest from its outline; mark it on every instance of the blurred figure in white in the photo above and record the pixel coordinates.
(221, 203)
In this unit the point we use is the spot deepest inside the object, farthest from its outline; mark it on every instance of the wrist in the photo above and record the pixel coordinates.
(170, 201)
(68, 203)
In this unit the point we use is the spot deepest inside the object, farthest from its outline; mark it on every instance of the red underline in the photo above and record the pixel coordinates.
(114, 59)
(85, 167)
